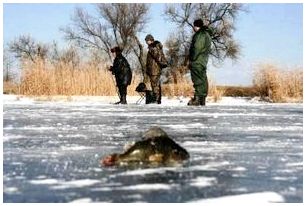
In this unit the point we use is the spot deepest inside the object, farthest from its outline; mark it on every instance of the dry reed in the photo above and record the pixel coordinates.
(41, 78)
(278, 85)
(9, 87)
(185, 88)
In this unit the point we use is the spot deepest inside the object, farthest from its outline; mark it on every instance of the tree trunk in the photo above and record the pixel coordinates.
(140, 57)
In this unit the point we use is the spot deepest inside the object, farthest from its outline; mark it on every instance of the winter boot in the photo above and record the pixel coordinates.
(118, 102)
(196, 101)
(151, 99)
(120, 96)
(123, 99)
(158, 99)
(203, 101)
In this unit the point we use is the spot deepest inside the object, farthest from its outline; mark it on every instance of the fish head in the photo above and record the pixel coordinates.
(109, 160)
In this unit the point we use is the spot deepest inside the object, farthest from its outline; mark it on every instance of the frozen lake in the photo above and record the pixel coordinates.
(248, 152)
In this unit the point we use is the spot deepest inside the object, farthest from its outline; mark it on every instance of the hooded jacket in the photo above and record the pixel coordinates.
(200, 48)
(154, 58)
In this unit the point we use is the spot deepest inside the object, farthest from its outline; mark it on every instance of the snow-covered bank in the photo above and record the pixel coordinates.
(167, 101)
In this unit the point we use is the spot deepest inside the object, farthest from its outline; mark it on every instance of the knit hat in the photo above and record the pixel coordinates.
(116, 49)
(149, 37)
(198, 23)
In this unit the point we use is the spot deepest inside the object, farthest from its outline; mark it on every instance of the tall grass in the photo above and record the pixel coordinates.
(9, 87)
(184, 87)
(278, 85)
(44, 78)
(41, 78)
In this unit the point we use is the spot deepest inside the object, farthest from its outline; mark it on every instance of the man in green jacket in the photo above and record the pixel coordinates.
(198, 57)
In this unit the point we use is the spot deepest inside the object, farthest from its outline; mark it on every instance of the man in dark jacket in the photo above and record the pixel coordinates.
(123, 74)
(198, 57)
(155, 62)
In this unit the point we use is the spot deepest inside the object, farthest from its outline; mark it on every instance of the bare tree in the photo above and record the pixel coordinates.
(219, 18)
(115, 24)
(173, 46)
(126, 21)
(177, 51)
(96, 59)
(88, 32)
(178, 43)
(26, 47)
(68, 56)
(7, 65)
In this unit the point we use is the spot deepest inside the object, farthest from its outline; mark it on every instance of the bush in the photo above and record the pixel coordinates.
(9, 87)
(278, 85)
(239, 91)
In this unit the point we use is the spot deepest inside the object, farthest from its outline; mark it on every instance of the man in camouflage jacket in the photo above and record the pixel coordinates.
(154, 65)
(198, 57)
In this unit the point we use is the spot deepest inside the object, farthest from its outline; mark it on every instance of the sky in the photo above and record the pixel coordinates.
(267, 33)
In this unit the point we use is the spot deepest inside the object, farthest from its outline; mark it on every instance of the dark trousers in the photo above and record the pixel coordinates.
(156, 87)
(200, 82)
(122, 89)
(122, 92)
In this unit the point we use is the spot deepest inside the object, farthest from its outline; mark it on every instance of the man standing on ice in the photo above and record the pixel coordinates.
(198, 57)
(123, 74)
(155, 62)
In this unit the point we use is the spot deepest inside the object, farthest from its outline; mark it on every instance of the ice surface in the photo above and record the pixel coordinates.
(254, 199)
(240, 151)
